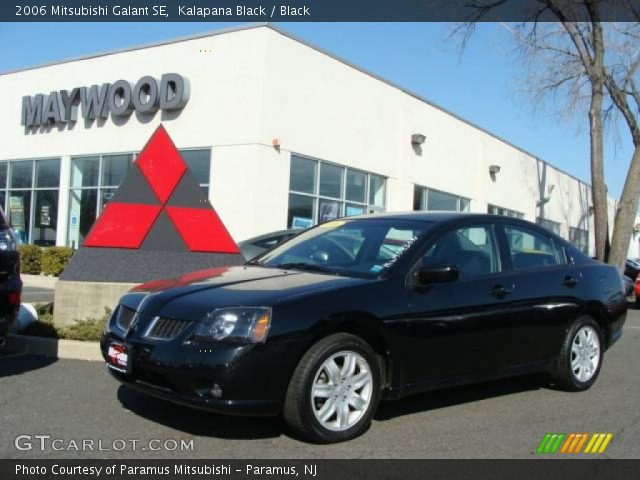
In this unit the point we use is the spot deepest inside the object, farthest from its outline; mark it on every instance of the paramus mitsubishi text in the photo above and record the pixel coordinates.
(323, 326)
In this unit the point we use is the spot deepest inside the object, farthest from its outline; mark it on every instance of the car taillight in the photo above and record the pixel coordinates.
(13, 298)
(637, 279)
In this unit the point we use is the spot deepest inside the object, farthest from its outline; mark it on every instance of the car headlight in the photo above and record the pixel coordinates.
(7, 241)
(236, 324)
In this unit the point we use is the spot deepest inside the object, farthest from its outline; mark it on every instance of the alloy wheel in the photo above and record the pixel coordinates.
(341, 390)
(585, 353)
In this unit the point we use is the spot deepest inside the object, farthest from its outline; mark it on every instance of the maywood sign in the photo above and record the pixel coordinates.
(120, 98)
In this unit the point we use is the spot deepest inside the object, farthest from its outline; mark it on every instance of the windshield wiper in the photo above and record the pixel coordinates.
(305, 266)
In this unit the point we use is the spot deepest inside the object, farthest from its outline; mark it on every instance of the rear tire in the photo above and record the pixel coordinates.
(581, 355)
(334, 390)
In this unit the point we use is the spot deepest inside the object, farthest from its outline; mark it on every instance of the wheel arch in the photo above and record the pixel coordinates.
(362, 325)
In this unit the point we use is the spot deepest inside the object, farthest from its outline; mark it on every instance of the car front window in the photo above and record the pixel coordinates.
(359, 247)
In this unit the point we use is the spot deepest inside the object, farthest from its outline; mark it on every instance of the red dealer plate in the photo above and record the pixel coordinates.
(118, 357)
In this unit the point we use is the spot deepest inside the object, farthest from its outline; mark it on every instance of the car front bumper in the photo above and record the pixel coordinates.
(228, 379)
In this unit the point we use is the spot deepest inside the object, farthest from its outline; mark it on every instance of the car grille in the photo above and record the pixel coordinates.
(125, 315)
(166, 328)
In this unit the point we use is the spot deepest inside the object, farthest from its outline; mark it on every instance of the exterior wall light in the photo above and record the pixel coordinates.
(418, 139)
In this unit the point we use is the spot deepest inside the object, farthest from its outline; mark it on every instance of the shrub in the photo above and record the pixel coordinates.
(30, 259)
(88, 330)
(55, 259)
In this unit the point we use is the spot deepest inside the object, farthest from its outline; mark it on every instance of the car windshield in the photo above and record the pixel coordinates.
(359, 247)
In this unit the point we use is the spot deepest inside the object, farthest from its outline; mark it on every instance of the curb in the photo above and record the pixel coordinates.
(54, 347)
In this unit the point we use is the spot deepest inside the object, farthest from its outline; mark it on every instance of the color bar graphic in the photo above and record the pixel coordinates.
(573, 443)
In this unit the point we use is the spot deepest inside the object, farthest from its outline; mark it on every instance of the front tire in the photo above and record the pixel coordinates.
(581, 355)
(334, 390)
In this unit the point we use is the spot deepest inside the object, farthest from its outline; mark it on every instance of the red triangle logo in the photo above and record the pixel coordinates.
(125, 222)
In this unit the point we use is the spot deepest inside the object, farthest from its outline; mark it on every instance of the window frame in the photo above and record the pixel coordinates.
(491, 226)
(343, 202)
(559, 250)
(514, 213)
(424, 198)
(572, 233)
(7, 189)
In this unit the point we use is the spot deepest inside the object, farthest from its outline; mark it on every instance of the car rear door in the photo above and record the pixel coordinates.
(547, 292)
(458, 328)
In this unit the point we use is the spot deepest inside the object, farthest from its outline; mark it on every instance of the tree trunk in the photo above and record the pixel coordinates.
(626, 213)
(598, 187)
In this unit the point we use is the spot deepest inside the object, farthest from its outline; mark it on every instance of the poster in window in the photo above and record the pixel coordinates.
(16, 217)
(329, 210)
(45, 215)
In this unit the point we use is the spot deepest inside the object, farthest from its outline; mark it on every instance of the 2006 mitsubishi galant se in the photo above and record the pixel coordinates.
(324, 326)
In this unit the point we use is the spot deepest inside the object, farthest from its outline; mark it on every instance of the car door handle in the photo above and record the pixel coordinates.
(570, 281)
(499, 291)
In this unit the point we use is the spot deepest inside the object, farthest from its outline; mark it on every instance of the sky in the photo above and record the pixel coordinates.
(481, 84)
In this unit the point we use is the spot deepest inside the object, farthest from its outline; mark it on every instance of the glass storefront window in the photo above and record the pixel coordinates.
(84, 171)
(376, 190)
(198, 162)
(21, 174)
(303, 175)
(351, 210)
(115, 168)
(328, 210)
(82, 214)
(441, 201)
(330, 180)
(3, 175)
(505, 212)
(48, 173)
(356, 182)
(29, 198)
(45, 218)
(337, 192)
(429, 199)
(301, 208)
(20, 213)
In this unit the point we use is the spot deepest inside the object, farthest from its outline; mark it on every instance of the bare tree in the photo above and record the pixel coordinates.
(567, 61)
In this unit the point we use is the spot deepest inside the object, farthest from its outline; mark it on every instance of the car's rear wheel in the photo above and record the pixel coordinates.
(334, 390)
(581, 356)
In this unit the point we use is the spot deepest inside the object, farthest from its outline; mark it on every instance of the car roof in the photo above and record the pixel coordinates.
(430, 216)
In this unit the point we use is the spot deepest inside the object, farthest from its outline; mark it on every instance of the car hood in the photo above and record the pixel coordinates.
(193, 295)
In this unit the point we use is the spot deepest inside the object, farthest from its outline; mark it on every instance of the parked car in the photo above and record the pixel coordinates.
(636, 290)
(325, 325)
(255, 246)
(10, 283)
(632, 268)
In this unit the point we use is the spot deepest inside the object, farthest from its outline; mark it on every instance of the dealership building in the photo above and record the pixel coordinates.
(277, 132)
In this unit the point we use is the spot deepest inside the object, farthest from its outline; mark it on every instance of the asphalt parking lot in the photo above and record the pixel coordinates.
(76, 400)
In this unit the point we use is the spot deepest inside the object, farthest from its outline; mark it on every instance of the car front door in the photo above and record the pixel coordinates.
(461, 327)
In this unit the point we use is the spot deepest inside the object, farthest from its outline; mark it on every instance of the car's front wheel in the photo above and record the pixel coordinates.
(334, 390)
(581, 355)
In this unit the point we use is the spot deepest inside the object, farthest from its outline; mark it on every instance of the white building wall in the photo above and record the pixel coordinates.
(251, 86)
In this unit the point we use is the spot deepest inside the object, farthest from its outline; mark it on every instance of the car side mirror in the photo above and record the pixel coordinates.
(437, 274)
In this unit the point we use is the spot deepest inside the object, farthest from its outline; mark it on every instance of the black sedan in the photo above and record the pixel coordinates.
(10, 283)
(325, 325)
